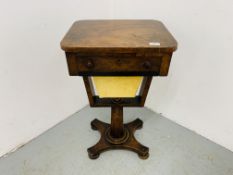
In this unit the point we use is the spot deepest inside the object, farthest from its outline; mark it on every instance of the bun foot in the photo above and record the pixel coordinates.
(93, 155)
(143, 156)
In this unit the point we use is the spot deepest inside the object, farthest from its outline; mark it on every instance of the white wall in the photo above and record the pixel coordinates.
(36, 91)
(198, 93)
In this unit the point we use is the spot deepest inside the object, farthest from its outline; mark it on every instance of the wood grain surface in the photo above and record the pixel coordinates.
(118, 36)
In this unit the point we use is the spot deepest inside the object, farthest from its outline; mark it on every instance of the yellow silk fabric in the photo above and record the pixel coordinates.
(117, 86)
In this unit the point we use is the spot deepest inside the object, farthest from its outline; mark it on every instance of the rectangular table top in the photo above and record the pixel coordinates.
(118, 36)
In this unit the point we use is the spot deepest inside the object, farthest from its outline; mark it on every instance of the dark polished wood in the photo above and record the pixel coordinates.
(144, 89)
(117, 135)
(117, 127)
(118, 36)
(120, 65)
(90, 89)
(118, 48)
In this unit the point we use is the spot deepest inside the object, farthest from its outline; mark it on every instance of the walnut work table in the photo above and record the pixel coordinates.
(117, 59)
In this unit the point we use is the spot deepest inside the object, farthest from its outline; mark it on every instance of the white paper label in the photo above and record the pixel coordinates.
(154, 43)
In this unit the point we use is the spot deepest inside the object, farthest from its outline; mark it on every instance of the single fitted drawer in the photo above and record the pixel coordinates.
(113, 65)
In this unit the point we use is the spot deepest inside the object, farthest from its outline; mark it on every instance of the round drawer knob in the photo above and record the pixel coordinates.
(117, 100)
(147, 65)
(89, 64)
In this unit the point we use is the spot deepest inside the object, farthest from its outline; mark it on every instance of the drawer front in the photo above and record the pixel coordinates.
(94, 65)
